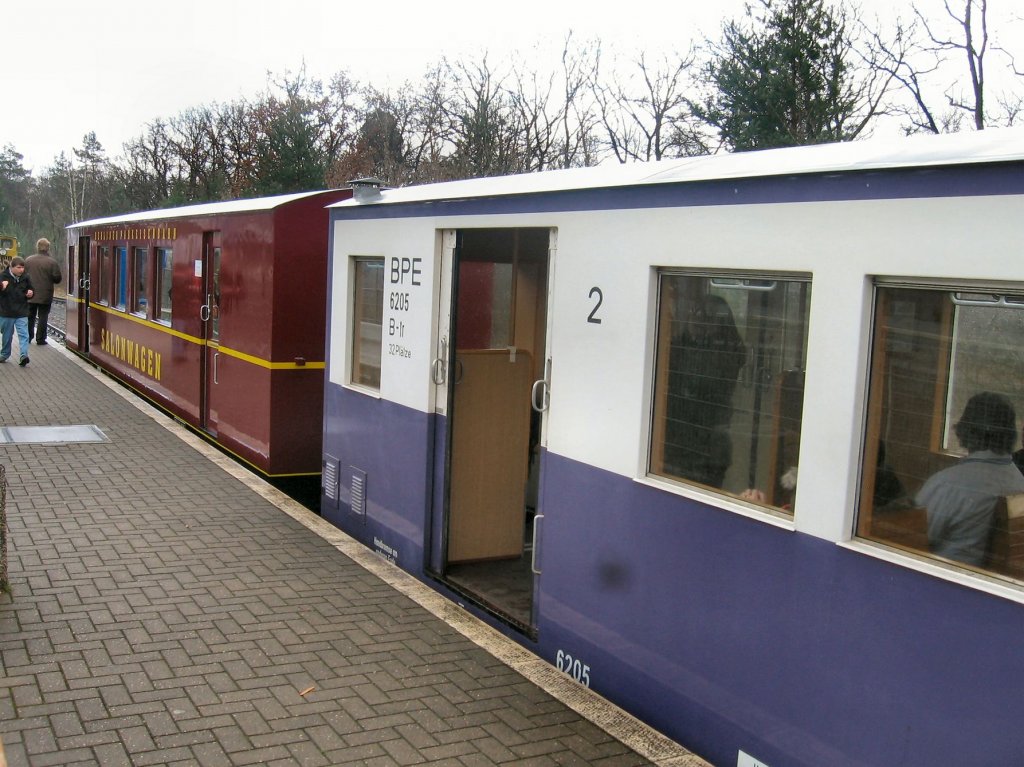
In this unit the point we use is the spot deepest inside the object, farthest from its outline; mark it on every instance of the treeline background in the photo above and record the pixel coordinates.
(788, 72)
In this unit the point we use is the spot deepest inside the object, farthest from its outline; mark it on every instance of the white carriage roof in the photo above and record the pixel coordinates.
(1001, 145)
(202, 209)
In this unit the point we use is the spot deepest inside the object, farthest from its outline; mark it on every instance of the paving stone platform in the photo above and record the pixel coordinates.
(169, 608)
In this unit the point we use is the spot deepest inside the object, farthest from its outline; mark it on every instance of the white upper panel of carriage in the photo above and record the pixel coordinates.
(202, 209)
(987, 146)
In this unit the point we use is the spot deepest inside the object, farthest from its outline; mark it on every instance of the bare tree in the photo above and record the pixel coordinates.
(922, 56)
(145, 170)
(485, 127)
(85, 182)
(971, 42)
(555, 110)
(901, 56)
(432, 134)
(580, 122)
(645, 113)
(382, 145)
(192, 140)
(238, 131)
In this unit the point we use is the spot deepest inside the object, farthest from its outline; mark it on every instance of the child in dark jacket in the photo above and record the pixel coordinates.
(15, 291)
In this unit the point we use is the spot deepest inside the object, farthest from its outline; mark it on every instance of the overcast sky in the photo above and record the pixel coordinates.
(110, 66)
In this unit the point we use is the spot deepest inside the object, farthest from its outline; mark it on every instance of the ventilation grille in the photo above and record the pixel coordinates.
(358, 491)
(330, 479)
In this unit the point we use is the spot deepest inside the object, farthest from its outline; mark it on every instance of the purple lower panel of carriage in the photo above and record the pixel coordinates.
(729, 634)
(726, 633)
(382, 454)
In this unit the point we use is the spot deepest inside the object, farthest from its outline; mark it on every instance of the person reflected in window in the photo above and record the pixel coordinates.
(961, 499)
(888, 488)
(1018, 457)
(706, 356)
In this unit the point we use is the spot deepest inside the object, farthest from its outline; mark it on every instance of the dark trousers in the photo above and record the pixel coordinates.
(38, 313)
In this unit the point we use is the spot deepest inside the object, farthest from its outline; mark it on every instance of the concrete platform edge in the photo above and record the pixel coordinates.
(646, 741)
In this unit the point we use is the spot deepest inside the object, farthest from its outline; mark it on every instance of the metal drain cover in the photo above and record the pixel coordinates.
(25, 435)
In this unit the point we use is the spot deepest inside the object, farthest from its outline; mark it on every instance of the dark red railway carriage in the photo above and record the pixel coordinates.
(215, 312)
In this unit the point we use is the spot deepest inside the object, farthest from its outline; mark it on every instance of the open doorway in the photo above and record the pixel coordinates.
(499, 326)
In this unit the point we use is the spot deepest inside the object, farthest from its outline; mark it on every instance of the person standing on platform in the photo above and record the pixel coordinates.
(44, 272)
(15, 291)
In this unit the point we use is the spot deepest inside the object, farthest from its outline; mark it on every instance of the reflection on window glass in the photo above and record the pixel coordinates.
(140, 269)
(103, 296)
(729, 384)
(164, 281)
(215, 295)
(367, 320)
(121, 276)
(947, 392)
(484, 313)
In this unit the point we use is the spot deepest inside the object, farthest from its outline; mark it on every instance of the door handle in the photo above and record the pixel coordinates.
(204, 310)
(540, 394)
(439, 367)
(533, 551)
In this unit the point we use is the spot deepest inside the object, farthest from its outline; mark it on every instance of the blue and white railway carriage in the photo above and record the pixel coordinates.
(670, 425)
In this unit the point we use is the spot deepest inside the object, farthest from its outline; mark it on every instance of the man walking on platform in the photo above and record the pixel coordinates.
(44, 272)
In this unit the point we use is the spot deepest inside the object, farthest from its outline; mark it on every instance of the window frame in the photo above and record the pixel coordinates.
(902, 533)
(139, 300)
(355, 339)
(161, 275)
(119, 262)
(72, 283)
(103, 266)
(653, 455)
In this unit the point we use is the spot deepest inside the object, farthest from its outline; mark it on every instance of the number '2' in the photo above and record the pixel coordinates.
(592, 317)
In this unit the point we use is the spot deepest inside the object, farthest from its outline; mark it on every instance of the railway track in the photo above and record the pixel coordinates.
(58, 316)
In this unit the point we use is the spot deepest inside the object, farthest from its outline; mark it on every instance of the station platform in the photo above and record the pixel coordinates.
(168, 607)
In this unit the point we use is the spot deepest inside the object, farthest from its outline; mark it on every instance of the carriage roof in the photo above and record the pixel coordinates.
(202, 209)
(990, 146)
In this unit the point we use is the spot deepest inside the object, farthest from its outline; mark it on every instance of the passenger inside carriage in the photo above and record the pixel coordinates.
(961, 499)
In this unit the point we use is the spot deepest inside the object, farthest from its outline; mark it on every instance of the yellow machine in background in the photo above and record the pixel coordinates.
(8, 250)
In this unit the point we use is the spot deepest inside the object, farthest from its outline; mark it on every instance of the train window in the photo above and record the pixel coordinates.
(120, 277)
(164, 263)
(367, 320)
(72, 283)
(103, 296)
(940, 475)
(140, 271)
(728, 396)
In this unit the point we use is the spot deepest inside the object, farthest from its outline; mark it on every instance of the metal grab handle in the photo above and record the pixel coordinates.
(84, 283)
(439, 367)
(540, 387)
(459, 370)
(216, 359)
(204, 312)
(533, 552)
(437, 371)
